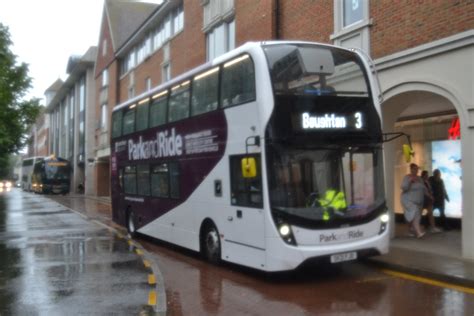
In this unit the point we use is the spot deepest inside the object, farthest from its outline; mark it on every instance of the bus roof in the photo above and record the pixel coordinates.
(248, 46)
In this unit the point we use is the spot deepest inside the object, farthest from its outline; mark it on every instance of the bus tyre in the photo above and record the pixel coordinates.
(211, 244)
(131, 229)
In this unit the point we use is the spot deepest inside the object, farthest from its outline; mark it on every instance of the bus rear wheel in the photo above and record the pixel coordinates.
(131, 229)
(211, 244)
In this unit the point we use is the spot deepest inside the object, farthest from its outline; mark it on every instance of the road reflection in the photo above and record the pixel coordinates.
(56, 262)
(8, 264)
(195, 287)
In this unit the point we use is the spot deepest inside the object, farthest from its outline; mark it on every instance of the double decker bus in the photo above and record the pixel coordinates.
(51, 175)
(268, 156)
(27, 165)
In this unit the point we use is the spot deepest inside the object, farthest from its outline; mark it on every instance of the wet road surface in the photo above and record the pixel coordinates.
(194, 287)
(55, 262)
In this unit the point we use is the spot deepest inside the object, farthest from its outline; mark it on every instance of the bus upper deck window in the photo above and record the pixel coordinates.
(129, 122)
(142, 115)
(117, 124)
(158, 109)
(179, 102)
(205, 90)
(238, 81)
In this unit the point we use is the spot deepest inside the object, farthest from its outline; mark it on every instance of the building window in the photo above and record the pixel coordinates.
(220, 39)
(158, 38)
(216, 11)
(105, 78)
(178, 18)
(82, 115)
(352, 12)
(351, 24)
(148, 84)
(71, 125)
(167, 27)
(166, 72)
(103, 117)
(104, 47)
(131, 85)
(144, 50)
(65, 116)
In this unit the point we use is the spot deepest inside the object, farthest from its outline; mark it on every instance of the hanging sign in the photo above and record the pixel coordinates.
(454, 132)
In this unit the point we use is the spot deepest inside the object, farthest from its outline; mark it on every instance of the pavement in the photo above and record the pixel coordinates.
(436, 256)
(98, 209)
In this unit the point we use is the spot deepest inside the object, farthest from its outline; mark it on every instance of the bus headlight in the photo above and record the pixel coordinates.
(286, 233)
(285, 230)
(384, 219)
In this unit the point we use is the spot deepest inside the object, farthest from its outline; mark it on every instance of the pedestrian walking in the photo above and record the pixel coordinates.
(439, 196)
(413, 192)
(428, 203)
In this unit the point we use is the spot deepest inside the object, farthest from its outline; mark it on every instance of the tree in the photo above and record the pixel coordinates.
(16, 114)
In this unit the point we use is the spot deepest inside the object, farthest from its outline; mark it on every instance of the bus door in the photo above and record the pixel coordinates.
(245, 232)
(117, 181)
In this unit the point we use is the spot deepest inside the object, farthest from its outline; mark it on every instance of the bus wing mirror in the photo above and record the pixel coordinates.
(249, 167)
(407, 149)
(407, 152)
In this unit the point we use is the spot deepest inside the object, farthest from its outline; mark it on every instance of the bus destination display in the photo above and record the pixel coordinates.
(332, 121)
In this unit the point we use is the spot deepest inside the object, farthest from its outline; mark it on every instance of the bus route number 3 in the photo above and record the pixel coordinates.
(358, 120)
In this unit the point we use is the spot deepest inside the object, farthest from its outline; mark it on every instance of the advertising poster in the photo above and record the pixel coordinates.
(447, 158)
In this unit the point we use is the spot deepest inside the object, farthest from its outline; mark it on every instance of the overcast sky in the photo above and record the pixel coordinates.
(45, 33)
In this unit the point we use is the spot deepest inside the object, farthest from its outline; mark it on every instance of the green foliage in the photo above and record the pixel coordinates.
(16, 114)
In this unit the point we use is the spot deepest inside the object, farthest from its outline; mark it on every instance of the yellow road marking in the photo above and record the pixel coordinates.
(147, 263)
(429, 281)
(151, 279)
(152, 298)
(377, 279)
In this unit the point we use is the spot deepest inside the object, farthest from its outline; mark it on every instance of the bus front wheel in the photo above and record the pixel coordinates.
(131, 223)
(211, 244)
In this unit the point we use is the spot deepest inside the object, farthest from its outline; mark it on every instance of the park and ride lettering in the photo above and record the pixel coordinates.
(166, 144)
(333, 237)
(169, 143)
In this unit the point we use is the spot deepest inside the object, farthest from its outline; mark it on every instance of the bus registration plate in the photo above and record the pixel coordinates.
(340, 257)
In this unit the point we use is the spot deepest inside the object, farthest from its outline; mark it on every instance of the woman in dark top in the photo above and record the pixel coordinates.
(428, 203)
(439, 196)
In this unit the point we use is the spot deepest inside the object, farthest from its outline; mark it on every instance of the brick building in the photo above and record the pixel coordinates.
(423, 51)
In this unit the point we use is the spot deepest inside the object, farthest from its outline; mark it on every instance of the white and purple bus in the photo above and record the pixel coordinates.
(268, 156)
